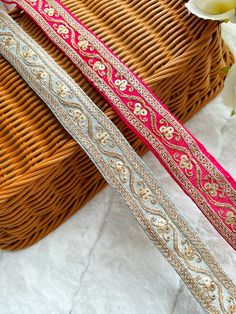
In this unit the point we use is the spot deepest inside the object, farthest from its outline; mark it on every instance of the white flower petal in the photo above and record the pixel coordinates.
(216, 6)
(229, 36)
(202, 8)
(229, 91)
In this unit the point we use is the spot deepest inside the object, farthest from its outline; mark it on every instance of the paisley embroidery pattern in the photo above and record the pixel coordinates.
(124, 170)
(119, 87)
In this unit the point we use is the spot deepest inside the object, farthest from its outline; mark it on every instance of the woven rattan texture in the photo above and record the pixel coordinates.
(44, 175)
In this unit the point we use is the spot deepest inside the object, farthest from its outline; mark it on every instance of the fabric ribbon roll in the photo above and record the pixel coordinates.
(121, 167)
(184, 157)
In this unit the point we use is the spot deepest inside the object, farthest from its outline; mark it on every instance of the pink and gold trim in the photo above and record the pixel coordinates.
(184, 157)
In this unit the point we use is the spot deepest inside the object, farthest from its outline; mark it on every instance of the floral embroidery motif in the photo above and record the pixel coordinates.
(82, 43)
(2, 25)
(122, 84)
(162, 227)
(185, 162)
(8, 41)
(79, 116)
(190, 252)
(120, 165)
(167, 131)
(232, 309)
(229, 218)
(144, 194)
(40, 74)
(161, 223)
(102, 136)
(211, 188)
(121, 168)
(62, 90)
(98, 66)
(82, 118)
(49, 11)
(139, 110)
(28, 54)
(62, 30)
(208, 286)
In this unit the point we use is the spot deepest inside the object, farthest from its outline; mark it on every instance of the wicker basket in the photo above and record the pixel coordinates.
(44, 175)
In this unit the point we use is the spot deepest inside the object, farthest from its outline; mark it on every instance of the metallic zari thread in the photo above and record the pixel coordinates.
(122, 168)
(188, 162)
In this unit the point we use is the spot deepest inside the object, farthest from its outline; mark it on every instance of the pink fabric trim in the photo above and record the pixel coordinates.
(184, 157)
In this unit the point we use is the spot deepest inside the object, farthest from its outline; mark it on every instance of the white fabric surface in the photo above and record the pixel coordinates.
(101, 262)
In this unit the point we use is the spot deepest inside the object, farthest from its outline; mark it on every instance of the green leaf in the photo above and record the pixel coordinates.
(233, 113)
(225, 69)
(225, 20)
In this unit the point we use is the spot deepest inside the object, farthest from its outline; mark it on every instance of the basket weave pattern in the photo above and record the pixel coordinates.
(44, 175)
